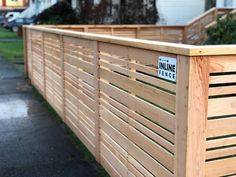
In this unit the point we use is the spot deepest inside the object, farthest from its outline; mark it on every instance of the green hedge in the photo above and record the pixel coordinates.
(223, 33)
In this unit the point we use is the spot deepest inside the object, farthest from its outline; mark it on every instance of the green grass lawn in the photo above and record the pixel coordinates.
(13, 51)
(6, 34)
(11, 46)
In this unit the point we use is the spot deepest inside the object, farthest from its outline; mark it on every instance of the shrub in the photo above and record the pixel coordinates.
(224, 32)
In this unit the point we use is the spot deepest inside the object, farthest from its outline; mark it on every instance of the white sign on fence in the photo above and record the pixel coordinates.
(167, 68)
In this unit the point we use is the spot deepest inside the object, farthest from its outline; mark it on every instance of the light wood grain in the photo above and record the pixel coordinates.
(191, 115)
(221, 127)
(221, 167)
(221, 106)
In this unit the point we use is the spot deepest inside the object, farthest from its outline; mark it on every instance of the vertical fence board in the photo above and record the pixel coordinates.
(97, 98)
(25, 43)
(62, 75)
(44, 73)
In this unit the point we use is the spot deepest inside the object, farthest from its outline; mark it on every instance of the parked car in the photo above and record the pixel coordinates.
(10, 16)
(17, 23)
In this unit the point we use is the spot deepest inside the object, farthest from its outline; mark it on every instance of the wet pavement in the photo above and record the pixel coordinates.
(32, 144)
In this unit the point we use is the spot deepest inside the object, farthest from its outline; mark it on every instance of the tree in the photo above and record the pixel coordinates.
(137, 12)
(224, 32)
(60, 13)
(127, 12)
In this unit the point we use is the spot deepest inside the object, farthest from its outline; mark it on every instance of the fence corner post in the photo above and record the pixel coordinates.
(97, 100)
(191, 116)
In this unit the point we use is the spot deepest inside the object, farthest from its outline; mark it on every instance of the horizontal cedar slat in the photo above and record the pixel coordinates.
(114, 110)
(86, 77)
(148, 162)
(222, 167)
(148, 145)
(109, 168)
(221, 106)
(80, 42)
(155, 114)
(81, 136)
(221, 127)
(221, 142)
(79, 62)
(222, 64)
(224, 152)
(152, 135)
(111, 142)
(114, 121)
(153, 149)
(223, 90)
(115, 162)
(149, 93)
(123, 112)
(145, 78)
(118, 137)
(223, 79)
(133, 162)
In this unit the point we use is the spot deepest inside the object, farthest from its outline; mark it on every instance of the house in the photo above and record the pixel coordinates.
(226, 3)
(112, 10)
(12, 5)
(171, 12)
(75, 3)
(179, 12)
(36, 7)
(176, 12)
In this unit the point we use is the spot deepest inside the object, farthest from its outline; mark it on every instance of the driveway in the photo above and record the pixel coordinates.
(32, 144)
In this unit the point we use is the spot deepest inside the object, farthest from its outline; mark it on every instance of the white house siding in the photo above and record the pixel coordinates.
(178, 12)
(226, 3)
(36, 7)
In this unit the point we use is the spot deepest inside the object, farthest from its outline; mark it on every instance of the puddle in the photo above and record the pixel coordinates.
(13, 109)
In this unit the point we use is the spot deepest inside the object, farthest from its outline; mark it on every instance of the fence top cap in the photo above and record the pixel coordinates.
(174, 48)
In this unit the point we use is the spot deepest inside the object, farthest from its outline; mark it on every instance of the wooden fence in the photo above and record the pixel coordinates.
(191, 33)
(172, 33)
(138, 114)
(233, 13)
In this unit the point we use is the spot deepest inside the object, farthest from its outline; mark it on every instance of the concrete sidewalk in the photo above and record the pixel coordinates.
(32, 144)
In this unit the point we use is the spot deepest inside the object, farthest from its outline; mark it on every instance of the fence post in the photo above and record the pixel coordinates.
(191, 116)
(31, 57)
(97, 100)
(44, 67)
(25, 34)
(63, 78)
(137, 31)
(185, 34)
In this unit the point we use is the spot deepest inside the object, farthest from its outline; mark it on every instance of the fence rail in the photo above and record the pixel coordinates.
(148, 32)
(110, 91)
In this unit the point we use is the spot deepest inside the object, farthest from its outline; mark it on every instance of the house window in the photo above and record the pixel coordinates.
(228, 3)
